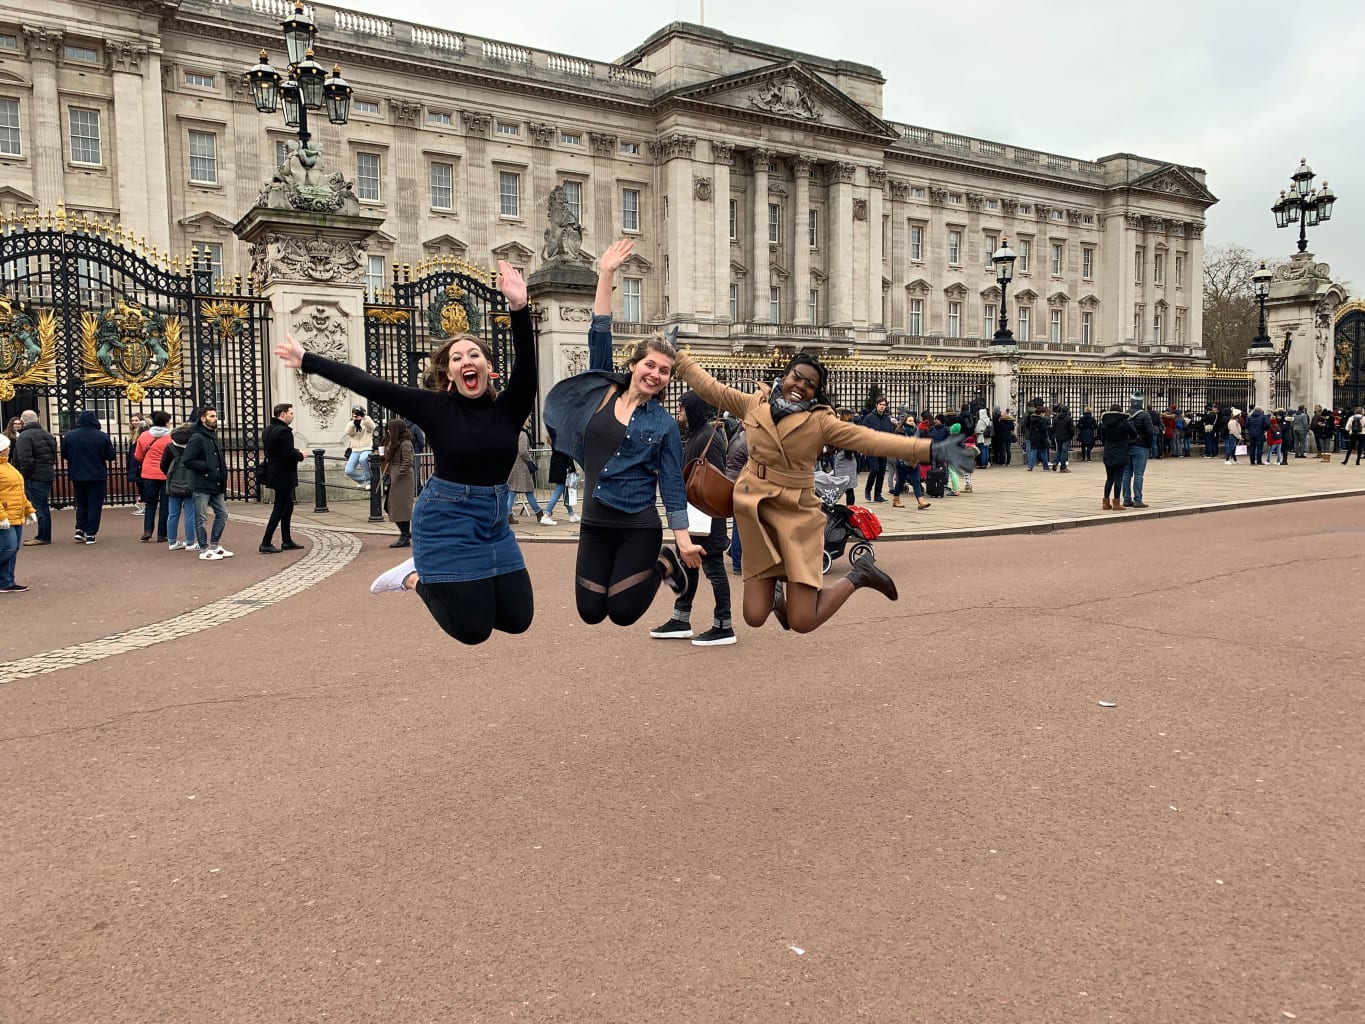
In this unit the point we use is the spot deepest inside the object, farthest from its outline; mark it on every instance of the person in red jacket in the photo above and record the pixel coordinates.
(150, 445)
(1274, 439)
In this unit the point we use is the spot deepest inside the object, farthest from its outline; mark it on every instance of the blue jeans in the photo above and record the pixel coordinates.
(1230, 448)
(358, 465)
(1063, 455)
(174, 506)
(736, 549)
(560, 491)
(37, 492)
(202, 504)
(9, 553)
(530, 500)
(1131, 485)
(1254, 449)
(1035, 455)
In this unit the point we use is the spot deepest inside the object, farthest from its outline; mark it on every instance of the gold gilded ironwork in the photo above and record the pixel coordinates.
(384, 315)
(28, 347)
(227, 317)
(132, 348)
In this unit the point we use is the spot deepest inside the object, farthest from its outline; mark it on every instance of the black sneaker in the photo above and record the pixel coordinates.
(672, 630)
(80, 536)
(19, 588)
(716, 636)
(676, 575)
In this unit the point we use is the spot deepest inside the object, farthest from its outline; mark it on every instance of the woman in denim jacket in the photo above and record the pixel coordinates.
(615, 427)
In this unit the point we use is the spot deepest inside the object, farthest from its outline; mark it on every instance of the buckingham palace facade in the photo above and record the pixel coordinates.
(767, 191)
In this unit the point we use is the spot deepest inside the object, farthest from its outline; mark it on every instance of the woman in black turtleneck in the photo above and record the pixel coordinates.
(466, 564)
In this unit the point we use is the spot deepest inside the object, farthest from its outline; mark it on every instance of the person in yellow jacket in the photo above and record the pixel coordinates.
(15, 514)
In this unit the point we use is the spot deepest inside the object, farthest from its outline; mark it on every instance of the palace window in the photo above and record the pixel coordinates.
(1139, 258)
(734, 303)
(367, 177)
(954, 319)
(1025, 255)
(774, 223)
(1179, 270)
(365, 107)
(84, 54)
(509, 194)
(570, 139)
(203, 158)
(734, 219)
(1087, 262)
(629, 148)
(573, 198)
(438, 117)
(916, 242)
(213, 252)
(813, 228)
(375, 281)
(85, 135)
(1087, 328)
(954, 247)
(989, 319)
(9, 128)
(813, 305)
(1139, 316)
(1156, 328)
(1159, 269)
(201, 80)
(630, 211)
(916, 319)
(281, 152)
(442, 186)
(508, 128)
(1179, 327)
(630, 299)
(992, 243)
(1054, 331)
(9, 42)
(774, 303)
(1057, 250)
(1025, 315)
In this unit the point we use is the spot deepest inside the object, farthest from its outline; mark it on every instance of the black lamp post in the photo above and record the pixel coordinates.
(307, 86)
(1261, 279)
(1304, 205)
(1004, 273)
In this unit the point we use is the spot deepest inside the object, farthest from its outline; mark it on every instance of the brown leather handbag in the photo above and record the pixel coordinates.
(707, 487)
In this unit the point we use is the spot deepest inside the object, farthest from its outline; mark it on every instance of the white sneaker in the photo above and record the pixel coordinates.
(1227, 462)
(139, 510)
(573, 519)
(223, 552)
(395, 579)
(210, 556)
(177, 545)
(193, 547)
(547, 521)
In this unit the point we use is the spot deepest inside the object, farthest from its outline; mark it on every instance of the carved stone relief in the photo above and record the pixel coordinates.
(938, 195)
(575, 314)
(721, 152)
(786, 96)
(860, 209)
(801, 165)
(541, 134)
(842, 170)
(322, 330)
(1155, 224)
(759, 159)
(43, 44)
(295, 258)
(575, 359)
(900, 189)
(876, 176)
(476, 123)
(701, 189)
(300, 184)
(673, 146)
(776, 187)
(125, 55)
(602, 144)
(405, 113)
(1135, 220)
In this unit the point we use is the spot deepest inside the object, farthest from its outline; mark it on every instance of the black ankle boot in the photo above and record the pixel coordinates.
(403, 541)
(865, 573)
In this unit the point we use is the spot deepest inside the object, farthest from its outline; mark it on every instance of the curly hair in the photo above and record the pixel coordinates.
(806, 359)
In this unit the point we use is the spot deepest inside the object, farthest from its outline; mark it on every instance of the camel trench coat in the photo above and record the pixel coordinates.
(780, 522)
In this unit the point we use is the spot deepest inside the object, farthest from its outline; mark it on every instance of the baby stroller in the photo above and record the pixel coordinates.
(843, 521)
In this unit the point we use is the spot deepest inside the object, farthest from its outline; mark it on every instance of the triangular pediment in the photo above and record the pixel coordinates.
(445, 245)
(1059, 297)
(637, 263)
(1025, 295)
(992, 293)
(919, 286)
(1176, 181)
(513, 252)
(10, 194)
(786, 92)
(1089, 301)
(206, 220)
(956, 290)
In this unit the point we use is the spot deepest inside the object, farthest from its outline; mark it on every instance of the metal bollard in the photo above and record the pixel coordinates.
(319, 481)
(376, 488)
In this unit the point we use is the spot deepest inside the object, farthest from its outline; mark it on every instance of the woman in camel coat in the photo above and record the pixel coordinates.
(399, 465)
(778, 516)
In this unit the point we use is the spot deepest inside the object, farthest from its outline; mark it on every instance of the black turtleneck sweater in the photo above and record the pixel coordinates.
(474, 439)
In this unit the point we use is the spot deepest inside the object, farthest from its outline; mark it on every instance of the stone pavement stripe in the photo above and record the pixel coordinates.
(331, 551)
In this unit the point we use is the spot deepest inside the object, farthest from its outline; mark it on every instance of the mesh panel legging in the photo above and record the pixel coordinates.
(618, 573)
(470, 610)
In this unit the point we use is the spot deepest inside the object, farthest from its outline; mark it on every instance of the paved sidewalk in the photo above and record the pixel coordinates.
(1004, 500)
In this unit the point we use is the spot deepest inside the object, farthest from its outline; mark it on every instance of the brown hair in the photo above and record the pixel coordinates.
(395, 433)
(435, 378)
(655, 343)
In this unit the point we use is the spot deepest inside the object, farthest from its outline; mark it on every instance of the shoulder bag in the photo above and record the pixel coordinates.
(707, 487)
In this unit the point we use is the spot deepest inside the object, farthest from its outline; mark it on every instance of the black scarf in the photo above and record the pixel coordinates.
(781, 407)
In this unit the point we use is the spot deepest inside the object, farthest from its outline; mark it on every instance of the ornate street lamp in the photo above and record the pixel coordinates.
(1004, 273)
(1303, 205)
(306, 86)
(1261, 279)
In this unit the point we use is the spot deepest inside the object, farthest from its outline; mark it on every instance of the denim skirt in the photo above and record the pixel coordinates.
(460, 533)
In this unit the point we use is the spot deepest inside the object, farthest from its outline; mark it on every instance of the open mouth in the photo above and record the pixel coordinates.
(470, 379)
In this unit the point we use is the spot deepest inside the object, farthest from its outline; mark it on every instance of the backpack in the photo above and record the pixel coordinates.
(1144, 433)
(1356, 425)
(179, 479)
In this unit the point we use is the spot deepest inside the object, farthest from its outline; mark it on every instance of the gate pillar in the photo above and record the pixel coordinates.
(1301, 302)
(1261, 366)
(563, 292)
(1004, 364)
(311, 268)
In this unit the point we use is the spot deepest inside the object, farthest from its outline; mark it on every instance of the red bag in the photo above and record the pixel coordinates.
(865, 521)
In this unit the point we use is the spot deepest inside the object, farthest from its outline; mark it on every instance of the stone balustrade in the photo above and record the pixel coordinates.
(995, 151)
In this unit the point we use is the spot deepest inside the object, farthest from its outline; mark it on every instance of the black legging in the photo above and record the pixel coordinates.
(1113, 477)
(618, 572)
(470, 610)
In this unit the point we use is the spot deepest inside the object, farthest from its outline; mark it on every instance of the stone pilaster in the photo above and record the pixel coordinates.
(760, 273)
(604, 191)
(720, 196)
(45, 117)
(685, 249)
(412, 184)
(1194, 267)
(876, 179)
(482, 182)
(840, 232)
(800, 242)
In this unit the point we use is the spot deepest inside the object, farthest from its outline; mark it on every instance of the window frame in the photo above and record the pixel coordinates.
(734, 219)
(449, 186)
(632, 289)
(627, 211)
(991, 240)
(774, 304)
(954, 319)
(509, 201)
(212, 157)
(917, 243)
(914, 317)
(98, 137)
(813, 305)
(17, 128)
(1159, 269)
(371, 277)
(575, 204)
(1058, 258)
(378, 179)
(1087, 263)
(1024, 261)
(76, 52)
(1023, 321)
(440, 118)
(813, 228)
(507, 129)
(1087, 327)
(774, 223)
(954, 247)
(1139, 259)
(1055, 327)
(734, 302)
(216, 266)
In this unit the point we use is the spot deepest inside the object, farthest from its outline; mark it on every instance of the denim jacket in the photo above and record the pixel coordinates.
(650, 455)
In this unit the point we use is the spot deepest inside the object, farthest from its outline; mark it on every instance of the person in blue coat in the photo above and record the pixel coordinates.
(88, 451)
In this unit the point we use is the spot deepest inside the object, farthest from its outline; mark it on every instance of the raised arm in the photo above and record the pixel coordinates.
(411, 402)
(520, 395)
(732, 400)
(599, 333)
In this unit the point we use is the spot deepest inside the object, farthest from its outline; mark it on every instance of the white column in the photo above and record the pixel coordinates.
(1194, 267)
(840, 232)
(876, 179)
(684, 247)
(720, 195)
(45, 117)
(800, 241)
(759, 272)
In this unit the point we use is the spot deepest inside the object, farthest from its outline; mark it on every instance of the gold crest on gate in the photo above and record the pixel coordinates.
(28, 347)
(131, 347)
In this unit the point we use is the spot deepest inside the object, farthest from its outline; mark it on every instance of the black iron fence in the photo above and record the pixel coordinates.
(1098, 387)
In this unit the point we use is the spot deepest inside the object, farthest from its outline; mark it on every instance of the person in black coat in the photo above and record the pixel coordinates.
(1038, 427)
(88, 452)
(1116, 434)
(1086, 428)
(1064, 432)
(698, 434)
(281, 476)
(35, 455)
(877, 419)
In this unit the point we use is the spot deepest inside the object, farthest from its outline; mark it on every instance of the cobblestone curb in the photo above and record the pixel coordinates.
(330, 552)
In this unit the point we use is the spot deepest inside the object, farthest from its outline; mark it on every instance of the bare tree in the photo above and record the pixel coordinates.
(1230, 312)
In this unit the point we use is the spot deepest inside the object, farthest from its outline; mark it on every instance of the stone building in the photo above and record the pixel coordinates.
(769, 192)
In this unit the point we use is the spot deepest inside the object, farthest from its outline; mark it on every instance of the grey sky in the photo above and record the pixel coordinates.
(1240, 89)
